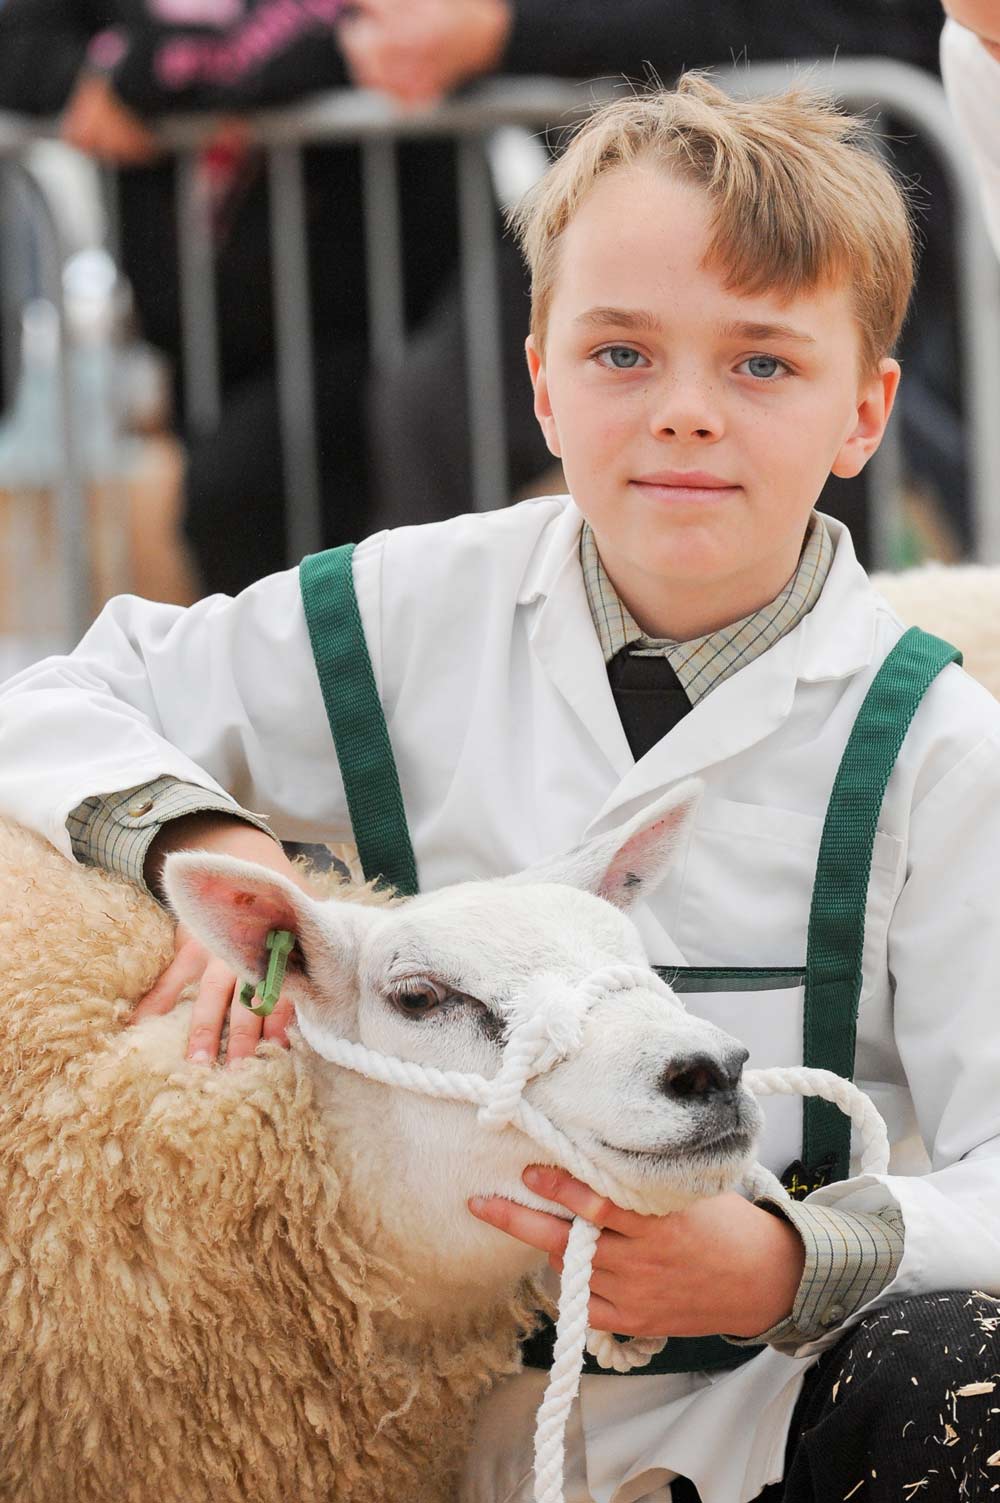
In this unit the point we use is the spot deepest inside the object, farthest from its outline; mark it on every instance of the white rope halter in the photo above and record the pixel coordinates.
(552, 1030)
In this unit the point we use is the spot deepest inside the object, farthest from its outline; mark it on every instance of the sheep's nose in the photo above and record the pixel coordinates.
(699, 1076)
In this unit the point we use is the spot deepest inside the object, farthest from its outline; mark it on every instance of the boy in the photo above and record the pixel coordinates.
(716, 289)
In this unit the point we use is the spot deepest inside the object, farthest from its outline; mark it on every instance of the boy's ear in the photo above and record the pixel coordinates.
(543, 407)
(231, 906)
(875, 401)
(628, 863)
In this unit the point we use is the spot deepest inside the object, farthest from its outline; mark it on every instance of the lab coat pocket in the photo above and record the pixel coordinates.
(748, 882)
(763, 1009)
(743, 926)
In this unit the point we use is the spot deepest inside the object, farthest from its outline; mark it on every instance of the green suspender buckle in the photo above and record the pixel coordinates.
(280, 942)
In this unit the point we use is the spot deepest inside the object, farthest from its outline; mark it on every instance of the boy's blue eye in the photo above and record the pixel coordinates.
(621, 356)
(764, 366)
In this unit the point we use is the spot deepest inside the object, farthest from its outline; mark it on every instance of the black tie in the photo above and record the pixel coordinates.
(648, 697)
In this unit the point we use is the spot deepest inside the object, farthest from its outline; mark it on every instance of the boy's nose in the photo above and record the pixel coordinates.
(694, 433)
(687, 413)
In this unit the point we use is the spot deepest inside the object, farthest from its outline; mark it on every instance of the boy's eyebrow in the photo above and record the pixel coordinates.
(640, 320)
(623, 318)
(753, 331)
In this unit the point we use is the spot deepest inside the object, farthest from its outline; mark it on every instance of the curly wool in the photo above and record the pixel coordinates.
(185, 1312)
(961, 604)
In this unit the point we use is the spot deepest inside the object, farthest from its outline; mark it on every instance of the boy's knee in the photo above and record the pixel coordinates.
(919, 1350)
(909, 1387)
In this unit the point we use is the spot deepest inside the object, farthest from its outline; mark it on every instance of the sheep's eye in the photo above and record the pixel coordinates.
(418, 999)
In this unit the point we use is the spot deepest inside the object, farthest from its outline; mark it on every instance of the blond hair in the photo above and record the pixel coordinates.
(801, 200)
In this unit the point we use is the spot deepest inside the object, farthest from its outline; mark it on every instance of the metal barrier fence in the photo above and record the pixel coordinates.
(912, 98)
(70, 491)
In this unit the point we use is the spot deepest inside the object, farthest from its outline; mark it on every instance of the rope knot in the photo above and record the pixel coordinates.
(550, 1029)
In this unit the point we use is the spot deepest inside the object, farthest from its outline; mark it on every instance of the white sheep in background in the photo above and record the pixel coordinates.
(960, 603)
(264, 1284)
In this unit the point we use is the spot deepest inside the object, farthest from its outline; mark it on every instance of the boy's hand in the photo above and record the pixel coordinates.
(722, 1265)
(218, 987)
(216, 997)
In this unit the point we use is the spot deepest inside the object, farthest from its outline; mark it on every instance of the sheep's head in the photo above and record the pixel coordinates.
(647, 1092)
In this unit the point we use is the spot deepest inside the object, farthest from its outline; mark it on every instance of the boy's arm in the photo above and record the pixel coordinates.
(118, 831)
(223, 697)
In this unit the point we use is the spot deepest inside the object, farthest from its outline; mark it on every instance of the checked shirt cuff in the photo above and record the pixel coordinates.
(850, 1257)
(114, 831)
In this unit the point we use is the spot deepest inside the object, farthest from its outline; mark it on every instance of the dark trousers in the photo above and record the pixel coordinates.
(902, 1410)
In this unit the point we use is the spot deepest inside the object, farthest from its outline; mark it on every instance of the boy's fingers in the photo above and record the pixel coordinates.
(604, 1316)
(558, 1185)
(276, 1023)
(208, 1012)
(245, 1029)
(187, 965)
(548, 1233)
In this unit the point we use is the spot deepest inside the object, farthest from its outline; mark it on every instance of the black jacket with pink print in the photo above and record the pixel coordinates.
(165, 55)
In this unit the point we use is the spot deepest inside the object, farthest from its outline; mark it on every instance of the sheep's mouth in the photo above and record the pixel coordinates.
(735, 1143)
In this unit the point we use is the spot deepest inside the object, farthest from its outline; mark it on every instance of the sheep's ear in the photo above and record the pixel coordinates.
(627, 863)
(231, 906)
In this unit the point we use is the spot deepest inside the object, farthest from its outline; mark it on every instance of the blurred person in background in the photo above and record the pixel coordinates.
(420, 50)
(108, 68)
(970, 65)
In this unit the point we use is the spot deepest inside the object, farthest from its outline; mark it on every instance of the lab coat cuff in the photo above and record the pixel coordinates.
(114, 831)
(851, 1256)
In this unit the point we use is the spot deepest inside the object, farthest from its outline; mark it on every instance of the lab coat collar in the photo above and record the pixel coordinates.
(560, 545)
(839, 632)
(564, 638)
(834, 641)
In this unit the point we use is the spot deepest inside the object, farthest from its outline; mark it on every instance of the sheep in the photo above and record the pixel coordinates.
(961, 604)
(262, 1284)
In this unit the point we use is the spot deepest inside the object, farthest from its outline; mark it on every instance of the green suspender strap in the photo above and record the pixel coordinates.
(354, 710)
(837, 915)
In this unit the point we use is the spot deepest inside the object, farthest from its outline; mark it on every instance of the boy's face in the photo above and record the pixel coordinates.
(696, 424)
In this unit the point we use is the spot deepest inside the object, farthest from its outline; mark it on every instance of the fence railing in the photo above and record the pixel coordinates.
(911, 97)
(49, 257)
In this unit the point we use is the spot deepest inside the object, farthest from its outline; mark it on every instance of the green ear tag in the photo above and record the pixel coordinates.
(280, 942)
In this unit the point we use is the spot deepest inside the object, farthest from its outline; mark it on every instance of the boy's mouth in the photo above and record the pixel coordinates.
(685, 485)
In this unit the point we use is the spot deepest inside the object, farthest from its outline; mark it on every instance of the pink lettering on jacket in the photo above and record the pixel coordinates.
(216, 13)
(184, 61)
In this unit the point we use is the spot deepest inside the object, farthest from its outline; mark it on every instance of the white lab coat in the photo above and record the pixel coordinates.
(509, 748)
(972, 82)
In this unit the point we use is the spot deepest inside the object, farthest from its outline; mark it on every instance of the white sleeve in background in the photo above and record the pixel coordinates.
(223, 695)
(972, 81)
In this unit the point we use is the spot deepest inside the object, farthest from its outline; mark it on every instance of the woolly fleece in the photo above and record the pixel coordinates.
(187, 1312)
(960, 604)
